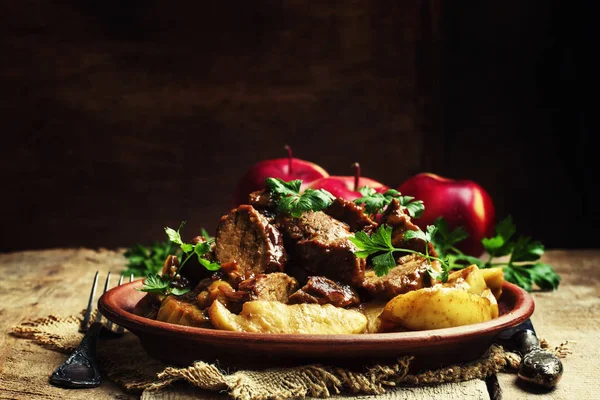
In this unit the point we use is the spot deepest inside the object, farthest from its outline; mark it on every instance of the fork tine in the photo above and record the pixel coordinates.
(88, 310)
(109, 324)
(106, 283)
(120, 329)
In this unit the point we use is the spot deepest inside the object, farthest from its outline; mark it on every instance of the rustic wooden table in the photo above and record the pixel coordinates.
(38, 283)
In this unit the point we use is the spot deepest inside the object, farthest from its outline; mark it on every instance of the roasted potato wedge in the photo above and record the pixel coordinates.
(372, 311)
(181, 312)
(488, 294)
(470, 279)
(494, 278)
(275, 317)
(438, 307)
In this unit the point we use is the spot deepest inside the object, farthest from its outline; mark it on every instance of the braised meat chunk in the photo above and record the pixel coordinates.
(261, 199)
(310, 225)
(272, 287)
(276, 286)
(409, 274)
(246, 239)
(351, 214)
(320, 290)
(400, 222)
(320, 245)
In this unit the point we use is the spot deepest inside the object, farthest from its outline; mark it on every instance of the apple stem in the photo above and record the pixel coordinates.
(289, 151)
(356, 167)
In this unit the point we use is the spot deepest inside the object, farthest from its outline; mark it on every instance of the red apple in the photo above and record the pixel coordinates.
(460, 203)
(347, 187)
(285, 168)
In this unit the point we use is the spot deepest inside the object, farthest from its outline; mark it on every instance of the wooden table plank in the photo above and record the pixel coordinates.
(570, 313)
(35, 282)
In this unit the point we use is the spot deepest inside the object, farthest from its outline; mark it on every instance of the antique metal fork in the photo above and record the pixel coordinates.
(80, 370)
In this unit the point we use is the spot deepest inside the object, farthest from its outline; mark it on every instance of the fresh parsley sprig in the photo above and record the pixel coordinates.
(522, 268)
(199, 249)
(146, 260)
(381, 242)
(375, 202)
(445, 241)
(289, 200)
(163, 284)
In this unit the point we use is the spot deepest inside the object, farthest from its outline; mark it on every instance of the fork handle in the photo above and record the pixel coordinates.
(80, 370)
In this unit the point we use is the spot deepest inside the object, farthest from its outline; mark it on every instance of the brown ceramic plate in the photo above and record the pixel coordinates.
(181, 345)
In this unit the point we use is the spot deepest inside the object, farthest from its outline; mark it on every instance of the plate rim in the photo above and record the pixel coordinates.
(109, 307)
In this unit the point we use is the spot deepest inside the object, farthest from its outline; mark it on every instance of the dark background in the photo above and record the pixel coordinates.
(121, 117)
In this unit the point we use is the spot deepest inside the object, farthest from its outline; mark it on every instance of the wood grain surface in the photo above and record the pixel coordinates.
(39, 283)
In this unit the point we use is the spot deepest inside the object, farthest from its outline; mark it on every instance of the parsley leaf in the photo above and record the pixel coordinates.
(289, 200)
(161, 284)
(442, 275)
(461, 260)
(445, 239)
(200, 248)
(173, 235)
(414, 207)
(158, 284)
(544, 276)
(375, 202)
(283, 188)
(501, 244)
(426, 236)
(211, 266)
(522, 250)
(177, 291)
(204, 233)
(519, 276)
(380, 245)
(383, 263)
(186, 247)
(146, 260)
(526, 250)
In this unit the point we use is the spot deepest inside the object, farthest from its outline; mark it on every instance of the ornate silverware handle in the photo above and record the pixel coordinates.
(538, 366)
(81, 368)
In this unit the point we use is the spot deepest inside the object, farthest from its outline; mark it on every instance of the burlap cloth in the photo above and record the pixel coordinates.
(123, 361)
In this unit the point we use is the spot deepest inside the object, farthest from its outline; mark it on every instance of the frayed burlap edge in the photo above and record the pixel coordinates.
(124, 362)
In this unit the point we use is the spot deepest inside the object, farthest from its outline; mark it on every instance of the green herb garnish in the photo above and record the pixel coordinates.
(158, 284)
(522, 268)
(146, 260)
(161, 284)
(375, 202)
(289, 200)
(445, 241)
(199, 249)
(381, 242)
